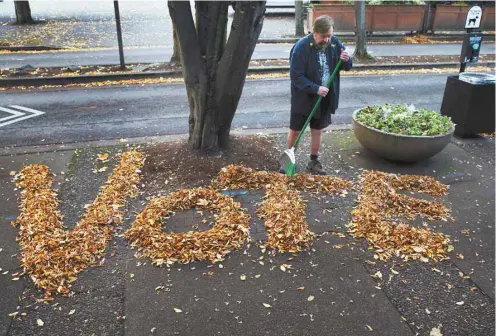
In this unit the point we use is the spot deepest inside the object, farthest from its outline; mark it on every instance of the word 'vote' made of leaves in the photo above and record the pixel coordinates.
(53, 256)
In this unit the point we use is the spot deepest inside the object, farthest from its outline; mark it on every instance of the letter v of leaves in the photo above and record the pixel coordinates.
(53, 256)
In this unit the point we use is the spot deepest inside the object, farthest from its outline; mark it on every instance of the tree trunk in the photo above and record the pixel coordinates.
(427, 15)
(360, 32)
(214, 71)
(23, 13)
(299, 31)
(175, 59)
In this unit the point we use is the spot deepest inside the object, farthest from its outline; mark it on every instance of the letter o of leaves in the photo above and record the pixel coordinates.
(229, 232)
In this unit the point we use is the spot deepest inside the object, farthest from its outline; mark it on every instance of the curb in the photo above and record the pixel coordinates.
(29, 48)
(345, 37)
(13, 150)
(64, 80)
(350, 37)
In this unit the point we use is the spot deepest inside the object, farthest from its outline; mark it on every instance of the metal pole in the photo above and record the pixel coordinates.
(119, 34)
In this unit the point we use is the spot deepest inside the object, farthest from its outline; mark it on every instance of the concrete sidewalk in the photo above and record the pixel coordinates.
(121, 297)
(161, 54)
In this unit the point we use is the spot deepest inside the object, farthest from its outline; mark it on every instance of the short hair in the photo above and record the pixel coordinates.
(323, 24)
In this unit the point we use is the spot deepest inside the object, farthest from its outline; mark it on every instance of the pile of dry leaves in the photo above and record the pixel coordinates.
(374, 220)
(229, 232)
(283, 209)
(239, 177)
(53, 256)
(283, 212)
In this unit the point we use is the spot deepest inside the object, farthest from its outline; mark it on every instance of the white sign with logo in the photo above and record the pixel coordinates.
(474, 16)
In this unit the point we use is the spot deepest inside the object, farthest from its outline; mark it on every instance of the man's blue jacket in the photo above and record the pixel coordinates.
(306, 77)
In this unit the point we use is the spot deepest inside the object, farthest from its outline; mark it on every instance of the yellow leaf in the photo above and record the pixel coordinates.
(40, 323)
(202, 202)
(243, 277)
(177, 310)
(369, 327)
(310, 298)
(266, 305)
(377, 275)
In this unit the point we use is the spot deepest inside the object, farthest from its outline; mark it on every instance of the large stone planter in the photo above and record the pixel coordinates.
(400, 148)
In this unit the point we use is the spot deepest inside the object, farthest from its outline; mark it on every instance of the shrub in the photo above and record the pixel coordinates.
(405, 120)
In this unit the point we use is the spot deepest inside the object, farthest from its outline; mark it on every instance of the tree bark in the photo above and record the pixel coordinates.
(360, 32)
(245, 30)
(175, 58)
(23, 13)
(214, 71)
(299, 31)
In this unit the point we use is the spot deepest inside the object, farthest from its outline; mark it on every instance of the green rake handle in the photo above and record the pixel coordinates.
(329, 81)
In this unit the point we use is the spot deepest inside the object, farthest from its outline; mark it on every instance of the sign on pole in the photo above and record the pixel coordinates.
(474, 16)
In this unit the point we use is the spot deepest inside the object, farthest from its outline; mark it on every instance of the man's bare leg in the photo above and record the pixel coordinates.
(315, 141)
(314, 166)
(292, 135)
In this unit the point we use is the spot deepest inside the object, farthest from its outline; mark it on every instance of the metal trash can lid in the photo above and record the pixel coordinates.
(477, 78)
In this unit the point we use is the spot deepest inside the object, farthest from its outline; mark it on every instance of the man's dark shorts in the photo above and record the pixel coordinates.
(298, 120)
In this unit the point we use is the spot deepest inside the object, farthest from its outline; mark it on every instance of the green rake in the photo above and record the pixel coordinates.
(288, 160)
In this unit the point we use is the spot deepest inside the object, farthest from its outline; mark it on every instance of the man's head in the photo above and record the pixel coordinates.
(323, 29)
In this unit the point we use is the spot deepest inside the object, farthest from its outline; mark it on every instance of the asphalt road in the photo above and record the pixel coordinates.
(86, 114)
(162, 54)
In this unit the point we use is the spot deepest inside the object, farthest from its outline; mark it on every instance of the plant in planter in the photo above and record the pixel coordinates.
(402, 132)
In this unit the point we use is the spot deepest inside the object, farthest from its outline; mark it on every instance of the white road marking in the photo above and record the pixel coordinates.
(18, 116)
(13, 113)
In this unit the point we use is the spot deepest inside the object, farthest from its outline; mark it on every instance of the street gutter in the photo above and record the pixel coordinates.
(78, 79)
(344, 37)
(16, 150)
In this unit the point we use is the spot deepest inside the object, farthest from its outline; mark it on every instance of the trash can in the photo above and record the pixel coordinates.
(469, 101)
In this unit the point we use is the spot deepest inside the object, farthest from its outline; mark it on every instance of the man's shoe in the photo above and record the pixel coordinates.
(315, 167)
(282, 171)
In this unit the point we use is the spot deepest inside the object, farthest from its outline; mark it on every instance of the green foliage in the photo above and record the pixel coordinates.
(403, 119)
(382, 2)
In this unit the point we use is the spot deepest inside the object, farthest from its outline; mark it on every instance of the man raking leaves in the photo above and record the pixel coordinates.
(314, 90)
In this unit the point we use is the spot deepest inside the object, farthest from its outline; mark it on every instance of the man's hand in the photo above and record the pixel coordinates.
(323, 91)
(344, 56)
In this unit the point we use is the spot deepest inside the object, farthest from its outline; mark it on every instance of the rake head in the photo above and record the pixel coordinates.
(288, 162)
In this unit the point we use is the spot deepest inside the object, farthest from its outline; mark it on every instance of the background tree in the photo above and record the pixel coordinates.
(23, 12)
(300, 31)
(214, 70)
(361, 52)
